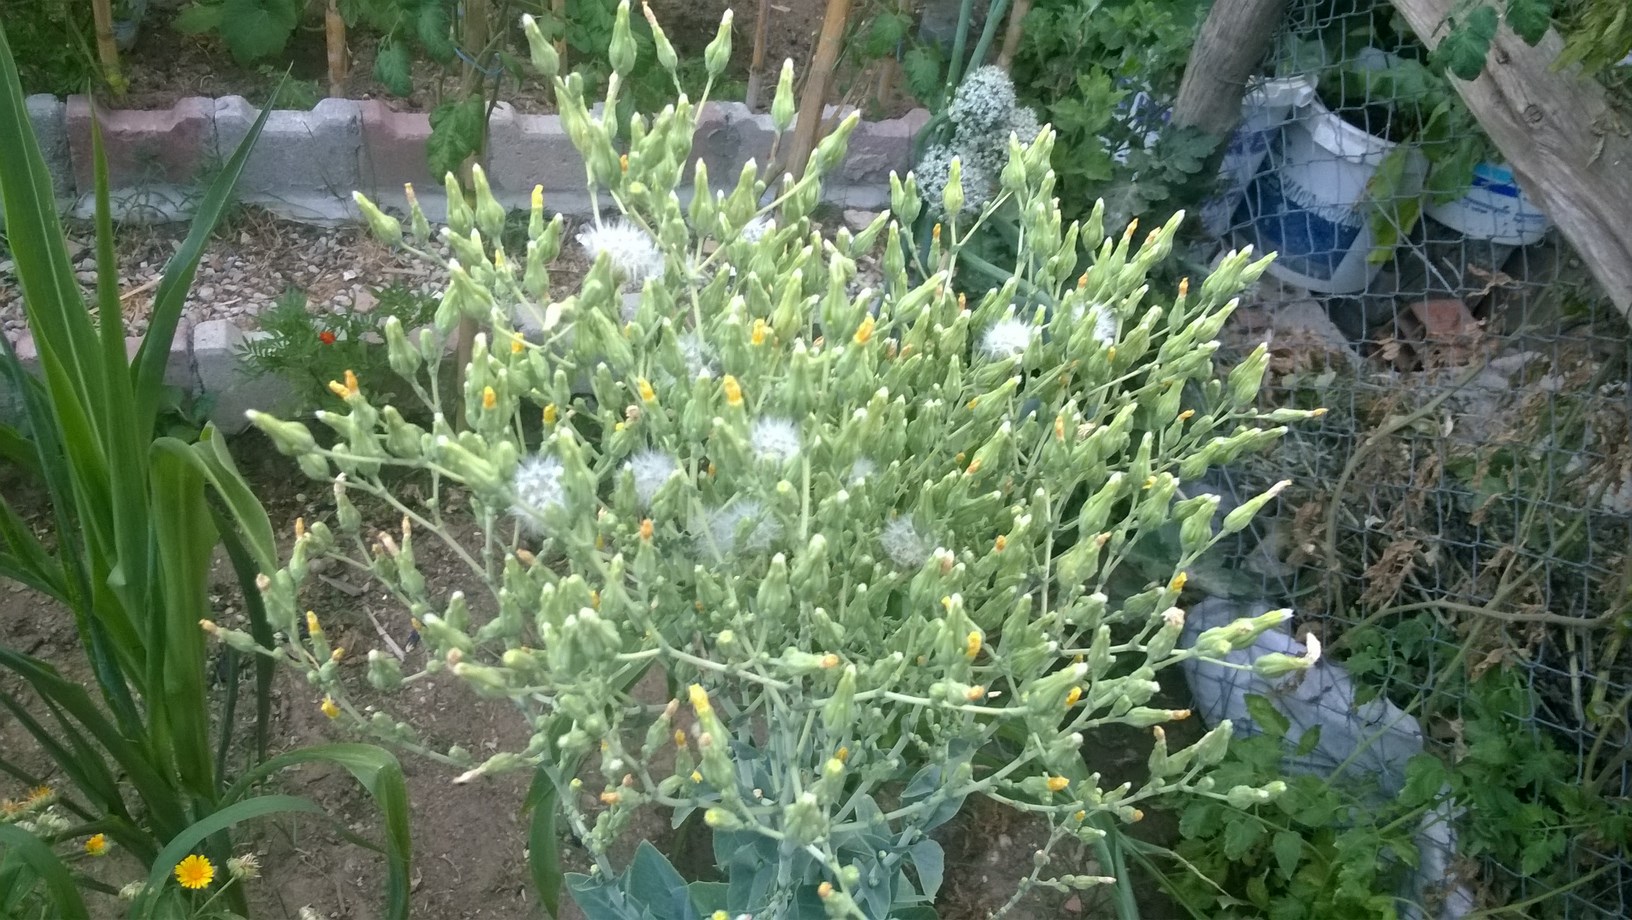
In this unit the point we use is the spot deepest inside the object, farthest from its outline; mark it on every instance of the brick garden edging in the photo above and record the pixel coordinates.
(307, 164)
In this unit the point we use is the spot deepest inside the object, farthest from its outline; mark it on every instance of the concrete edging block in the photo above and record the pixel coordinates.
(222, 374)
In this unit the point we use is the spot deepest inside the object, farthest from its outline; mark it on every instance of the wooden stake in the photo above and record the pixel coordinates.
(756, 68)
(817, 84)
(1234, 39)
(1011, 38)
(107, 50)
(334, 32)
(1551, 128)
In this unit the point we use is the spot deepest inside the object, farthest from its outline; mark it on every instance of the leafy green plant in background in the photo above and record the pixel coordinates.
(136, 521)
(309, 350)
(52, 41)
(882, 542)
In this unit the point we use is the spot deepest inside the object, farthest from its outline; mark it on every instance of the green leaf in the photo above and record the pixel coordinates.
(25, 848)
(1463, 51)
(923, 67)
(1288, 849)
(198, 19)
(432, 28)
(1530, 19)
(884, 33)
(184, 843)
(392, 70)
(258, 29)
(1269, 720)
(457, 131)
(544, 843)
(929, 861)
(1240, 833)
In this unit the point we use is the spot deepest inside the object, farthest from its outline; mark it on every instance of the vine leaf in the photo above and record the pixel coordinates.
(1530, 19)
(1463, 51)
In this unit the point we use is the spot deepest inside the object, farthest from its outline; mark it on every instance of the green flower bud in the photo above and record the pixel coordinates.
(1213, 745)
(839, 709)
(489, 213)
(1239, 518)
(405, 360)
(292, 439)
(313, 466)
(621, 50)
(543, 54)
(665, 49)
(1221, 640)
(952, 197)
(804, 821)
(386, 229)
(1248, 796)
(718, 52)
(782, 107)
(384, 671)
(1246, 379)
(486, 681)
(1276, 665)
(460, 218)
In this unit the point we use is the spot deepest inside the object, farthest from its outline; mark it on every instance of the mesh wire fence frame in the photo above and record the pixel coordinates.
(1469, 490)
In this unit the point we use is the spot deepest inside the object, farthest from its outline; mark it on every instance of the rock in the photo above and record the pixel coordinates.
(364, 302)
(858, 220)
(206, 292)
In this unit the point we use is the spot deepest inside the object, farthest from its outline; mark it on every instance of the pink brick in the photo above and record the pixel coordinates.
(393, 150)
(143, 146)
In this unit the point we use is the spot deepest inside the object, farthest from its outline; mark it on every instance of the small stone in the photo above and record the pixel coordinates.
(86, 277)
(364, 302)
(1073, 905)
(206, 292)
(348, 275)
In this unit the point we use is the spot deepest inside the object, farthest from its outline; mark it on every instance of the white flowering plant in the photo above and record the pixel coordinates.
(866, 528)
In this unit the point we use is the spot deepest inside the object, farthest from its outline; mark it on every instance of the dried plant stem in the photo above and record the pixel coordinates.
(756, 68)
(334, 32)
(817, 84)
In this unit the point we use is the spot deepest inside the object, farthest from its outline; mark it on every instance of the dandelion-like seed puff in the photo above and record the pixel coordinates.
(716, 534)
(1007, 338)
(651, 469)
(538, 488)
(774, 438)
(632, 252)
(905, 544)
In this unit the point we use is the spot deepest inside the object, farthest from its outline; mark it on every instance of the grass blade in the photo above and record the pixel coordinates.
(544, 843)
(189, 838)
(381, 774)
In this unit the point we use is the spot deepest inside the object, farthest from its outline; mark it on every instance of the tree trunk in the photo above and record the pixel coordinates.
(817, 85)
(1558, 133)
(1234, 39)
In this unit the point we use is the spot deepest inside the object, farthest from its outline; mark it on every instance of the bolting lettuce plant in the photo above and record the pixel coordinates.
(866, 528)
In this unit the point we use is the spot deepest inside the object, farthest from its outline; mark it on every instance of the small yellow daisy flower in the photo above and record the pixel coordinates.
(39, 795)
(195, 872)
(329, 707)
(97, 844)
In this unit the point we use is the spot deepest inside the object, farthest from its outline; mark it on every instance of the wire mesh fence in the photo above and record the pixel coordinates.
(1458, 526)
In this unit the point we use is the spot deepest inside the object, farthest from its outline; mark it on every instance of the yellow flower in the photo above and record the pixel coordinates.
(699, 699)
(517, 345)
(1177, 584)
(1057, 783)
(550, 414)
(971, 645)
(97, 844)
(39, 795)
(195, 872)
(733, 390)
(312, 626)
(825, 889)
(329, 708)
(647, 394)
(829, 661)
(865, 331)
(490, 399)
(646, 529)
(760, 328)
(1072, 697)
(11, 807)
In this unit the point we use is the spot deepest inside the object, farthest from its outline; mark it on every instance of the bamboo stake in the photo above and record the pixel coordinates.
(757, 66)
(1011, 38)
(334, 31)
(559, 8)
(107, 50)
(817, 84)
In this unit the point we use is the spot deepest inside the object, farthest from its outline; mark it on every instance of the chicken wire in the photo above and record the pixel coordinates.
(1467, 498)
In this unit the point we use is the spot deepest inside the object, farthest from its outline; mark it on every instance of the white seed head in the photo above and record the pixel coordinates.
(651, 469)
(634, 256)
(774, 438)
(755, 230)
(716, 533)
(905, 544)
(861, 470)
(699, 357)
(538, 487)
(1007, 338)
